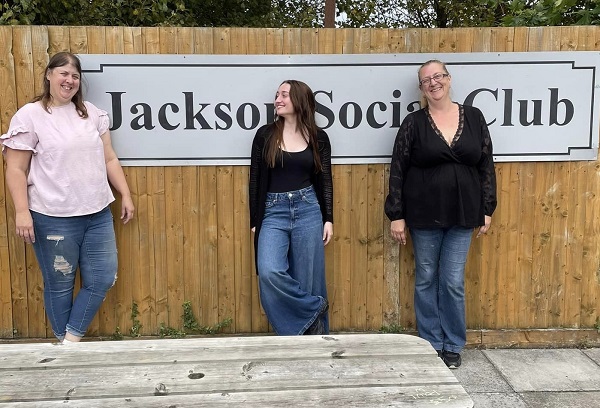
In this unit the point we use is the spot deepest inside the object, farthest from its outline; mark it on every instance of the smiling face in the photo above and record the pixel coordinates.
(434, 90)
(64, 83)
(283, 102)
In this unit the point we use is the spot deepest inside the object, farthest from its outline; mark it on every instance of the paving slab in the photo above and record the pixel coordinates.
(546, 370)
(584, 399)
(594, 354)
(497, 400)
(478, 374)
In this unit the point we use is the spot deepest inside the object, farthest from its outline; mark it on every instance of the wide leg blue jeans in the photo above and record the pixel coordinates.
(440, 257)
(291, 261)
(64, 243)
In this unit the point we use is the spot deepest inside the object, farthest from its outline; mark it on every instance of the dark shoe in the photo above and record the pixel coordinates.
(324, 307)
(318, 327)
(440, 354)
(451, 359)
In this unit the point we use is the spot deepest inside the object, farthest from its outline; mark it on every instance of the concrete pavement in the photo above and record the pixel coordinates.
(531, 378)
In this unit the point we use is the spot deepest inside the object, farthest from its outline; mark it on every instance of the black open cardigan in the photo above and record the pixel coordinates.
(260, 174)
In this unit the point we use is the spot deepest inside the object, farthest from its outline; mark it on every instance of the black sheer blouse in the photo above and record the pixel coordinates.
(436, 185)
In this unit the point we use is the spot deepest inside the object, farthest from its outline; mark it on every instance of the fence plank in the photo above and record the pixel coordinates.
(375, 230)
(238, 40)
(398, 275)
(310, 40)
(141, 249)
(590, 282)
(341, 298)
(527, 205)
(157, 233)
(225, 245)
(151, 40)
(185, 40)
(257, 41)
(128, 285)
(559, 243)
(132, 40)
(292, 40)
(359, 241)
(203, 40)
(209, 271)
(78, 43)
(575, 239)
(25, 87)
(221, 40)
(8, 104)
(191, 242)
(274, 41)
(174, 244)
(243, 274)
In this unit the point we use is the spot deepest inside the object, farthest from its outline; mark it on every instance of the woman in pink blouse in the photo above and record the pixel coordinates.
(59, 164)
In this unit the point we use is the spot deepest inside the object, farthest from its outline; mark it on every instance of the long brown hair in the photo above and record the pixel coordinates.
(60, 60)
(303, 99)
(424, 102)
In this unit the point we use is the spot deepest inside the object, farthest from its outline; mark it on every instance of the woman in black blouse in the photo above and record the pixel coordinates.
(291, 213)
(442, 186)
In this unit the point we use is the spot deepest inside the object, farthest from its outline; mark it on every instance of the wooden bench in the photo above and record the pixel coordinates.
(345, 370)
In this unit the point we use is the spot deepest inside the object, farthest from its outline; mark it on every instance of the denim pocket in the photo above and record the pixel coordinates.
(310, 197)
(270, 203)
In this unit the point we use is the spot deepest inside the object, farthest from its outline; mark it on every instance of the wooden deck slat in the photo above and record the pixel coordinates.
(19, 356)
(352, 370)
(219, 377)
(412, 396)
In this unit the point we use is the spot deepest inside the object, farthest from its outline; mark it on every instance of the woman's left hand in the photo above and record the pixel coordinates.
(327, 232)
(127, 209)
(484, 228)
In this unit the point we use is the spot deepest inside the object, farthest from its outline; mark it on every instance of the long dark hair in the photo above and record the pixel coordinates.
(60, 60)
(424, 102)
(303, 99)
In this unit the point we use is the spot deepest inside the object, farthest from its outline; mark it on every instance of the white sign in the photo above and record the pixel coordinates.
(205, 109)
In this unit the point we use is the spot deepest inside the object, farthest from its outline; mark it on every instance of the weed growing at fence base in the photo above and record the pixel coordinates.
(189, 325)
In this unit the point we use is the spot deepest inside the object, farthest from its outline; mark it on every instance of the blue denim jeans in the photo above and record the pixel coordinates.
(61, 245)
(291, 261)
(440, 257)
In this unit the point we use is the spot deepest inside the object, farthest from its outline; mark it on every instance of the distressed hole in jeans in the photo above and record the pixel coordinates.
(61, 265)
(56, 238)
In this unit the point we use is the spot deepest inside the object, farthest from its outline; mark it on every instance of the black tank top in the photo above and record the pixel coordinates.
(295, 172)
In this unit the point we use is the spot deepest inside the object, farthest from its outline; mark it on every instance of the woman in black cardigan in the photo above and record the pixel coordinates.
(291, 213)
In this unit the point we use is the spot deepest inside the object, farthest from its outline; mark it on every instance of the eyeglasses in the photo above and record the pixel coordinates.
(437, 77)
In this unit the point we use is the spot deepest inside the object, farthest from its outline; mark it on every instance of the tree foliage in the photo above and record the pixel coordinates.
(301, 13)
(551, 12)
(137, 13)
(467, 13)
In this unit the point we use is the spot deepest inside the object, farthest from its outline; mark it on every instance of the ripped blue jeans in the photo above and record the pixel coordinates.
(61, 245)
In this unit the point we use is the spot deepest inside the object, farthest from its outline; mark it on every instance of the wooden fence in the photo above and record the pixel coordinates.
(190, 240)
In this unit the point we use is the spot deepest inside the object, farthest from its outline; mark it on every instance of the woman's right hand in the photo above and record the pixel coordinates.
(398, 229)
(17, 167)
(24, 226)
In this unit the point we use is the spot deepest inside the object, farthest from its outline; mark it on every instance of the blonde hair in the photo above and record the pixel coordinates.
(423, 100)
